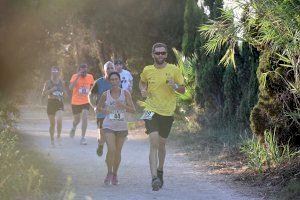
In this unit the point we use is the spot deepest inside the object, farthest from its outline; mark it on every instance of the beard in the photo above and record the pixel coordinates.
(83, 74)
(159, 61)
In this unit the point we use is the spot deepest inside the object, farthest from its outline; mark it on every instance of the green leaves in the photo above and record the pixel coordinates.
(187, 68)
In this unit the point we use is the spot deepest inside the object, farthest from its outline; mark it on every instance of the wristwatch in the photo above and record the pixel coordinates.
(176, 87)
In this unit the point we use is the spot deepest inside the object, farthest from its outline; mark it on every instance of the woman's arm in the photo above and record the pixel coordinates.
(46, 91)
(129, 104)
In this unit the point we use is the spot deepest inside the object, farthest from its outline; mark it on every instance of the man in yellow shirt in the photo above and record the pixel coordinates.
(158, 83)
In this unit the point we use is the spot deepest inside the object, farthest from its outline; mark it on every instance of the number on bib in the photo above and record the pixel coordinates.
(147, 115)
(117, 116)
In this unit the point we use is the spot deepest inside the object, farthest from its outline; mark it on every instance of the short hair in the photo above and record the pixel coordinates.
(119, 61)
(107, 64)
(159, 44)
(83, 65)
(114, 73)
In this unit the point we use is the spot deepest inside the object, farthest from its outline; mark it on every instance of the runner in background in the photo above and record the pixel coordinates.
(54, 89)
(115, 103)
(80, 85)
(126, 77)
(101, 85)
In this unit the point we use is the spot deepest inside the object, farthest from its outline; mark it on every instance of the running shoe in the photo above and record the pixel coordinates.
(108, 179)
(83, 141)
(156, 183)
(72, 133)
(160, 175)
(100, 150)
(114, 180)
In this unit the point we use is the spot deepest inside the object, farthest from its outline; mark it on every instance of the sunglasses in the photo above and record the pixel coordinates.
(160, 53)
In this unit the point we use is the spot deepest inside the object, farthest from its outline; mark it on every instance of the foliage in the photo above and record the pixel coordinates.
(16, 180)
(272, 27)
(187, 68)
(266, 154)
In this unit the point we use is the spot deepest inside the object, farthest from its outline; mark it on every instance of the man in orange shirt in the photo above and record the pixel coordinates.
(80, 85)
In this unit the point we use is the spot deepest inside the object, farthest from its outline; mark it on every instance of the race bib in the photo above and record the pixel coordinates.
(147, 115)
(83, 90)
(57, 93)
(117, 115)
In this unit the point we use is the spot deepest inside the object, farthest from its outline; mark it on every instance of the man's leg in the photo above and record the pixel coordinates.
(84, 122)
(76, 110)
(161, 158)
(76, 120)
(154, 144)
(101, 137)
(165, 124)
(161, 152)
(153, 159)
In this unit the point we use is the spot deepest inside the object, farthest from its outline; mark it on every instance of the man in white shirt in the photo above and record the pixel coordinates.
(126, 77)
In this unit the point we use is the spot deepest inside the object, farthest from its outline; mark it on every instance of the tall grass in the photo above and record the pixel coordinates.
(266, 154)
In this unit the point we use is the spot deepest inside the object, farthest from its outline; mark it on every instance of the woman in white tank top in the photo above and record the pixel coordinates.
(115, 104)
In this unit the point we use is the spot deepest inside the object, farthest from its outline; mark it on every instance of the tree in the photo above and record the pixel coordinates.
(272, 27)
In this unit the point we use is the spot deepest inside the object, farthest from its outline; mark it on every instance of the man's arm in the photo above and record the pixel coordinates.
(101, 104)
(178, 88)
(73, 83)
(92, 96)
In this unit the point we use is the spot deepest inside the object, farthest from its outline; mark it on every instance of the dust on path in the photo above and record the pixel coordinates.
(182, 179)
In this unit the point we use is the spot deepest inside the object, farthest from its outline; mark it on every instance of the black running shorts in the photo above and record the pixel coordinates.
(161, 124)
(54, 105)
(77, 109)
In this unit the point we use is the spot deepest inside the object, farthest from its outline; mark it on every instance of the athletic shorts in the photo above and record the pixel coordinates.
(100, 122)
(116, 133)
(54, 105)
(77, 109)
(161, 124)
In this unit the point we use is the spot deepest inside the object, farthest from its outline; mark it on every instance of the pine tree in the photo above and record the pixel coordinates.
(192, 19)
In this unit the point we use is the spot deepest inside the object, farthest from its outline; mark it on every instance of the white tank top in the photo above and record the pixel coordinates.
(117, 119)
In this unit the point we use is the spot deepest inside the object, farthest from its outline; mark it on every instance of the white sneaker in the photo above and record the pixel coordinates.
(83, 141)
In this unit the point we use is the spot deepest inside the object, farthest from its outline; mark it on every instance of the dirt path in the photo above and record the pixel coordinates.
(182, 180)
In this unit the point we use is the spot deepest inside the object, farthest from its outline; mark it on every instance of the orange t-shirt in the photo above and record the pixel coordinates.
(81, 89)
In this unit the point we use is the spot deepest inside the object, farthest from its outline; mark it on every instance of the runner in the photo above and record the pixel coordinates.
(115, 103)
(101, 85)
(158, 83)
(126, 77)
(54, 89)
(80, 85)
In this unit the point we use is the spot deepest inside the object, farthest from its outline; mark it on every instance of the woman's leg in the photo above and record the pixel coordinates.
(119, 144)
(59, 115)
(111, 149)
(52, 127)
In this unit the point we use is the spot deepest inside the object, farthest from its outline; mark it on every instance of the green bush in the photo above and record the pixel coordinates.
(16, 180)
(268, 153)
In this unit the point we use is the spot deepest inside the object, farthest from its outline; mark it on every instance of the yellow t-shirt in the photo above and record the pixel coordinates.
(161, 97)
